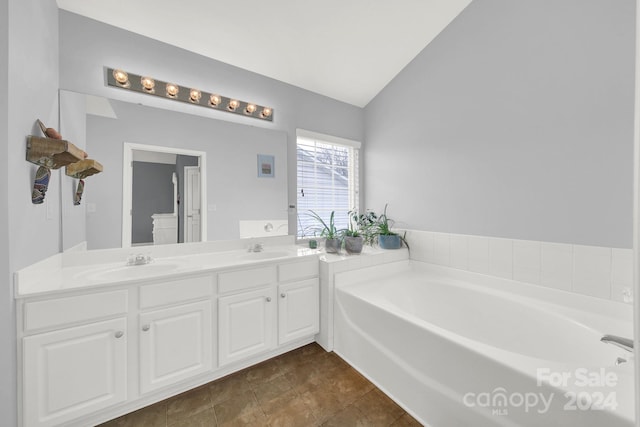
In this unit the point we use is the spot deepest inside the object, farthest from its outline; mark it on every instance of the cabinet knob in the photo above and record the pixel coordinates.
(268, 299)
(146, 328)
(119, 334)
(283, 295)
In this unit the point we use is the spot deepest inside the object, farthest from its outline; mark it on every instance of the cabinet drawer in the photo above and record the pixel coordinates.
(82, 308)
(298, 270)
(176, 291)
(246, 279)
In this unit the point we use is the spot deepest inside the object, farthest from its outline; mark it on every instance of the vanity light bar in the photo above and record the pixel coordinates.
(150, 86)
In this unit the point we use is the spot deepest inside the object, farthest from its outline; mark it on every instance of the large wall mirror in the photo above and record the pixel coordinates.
(196, 174)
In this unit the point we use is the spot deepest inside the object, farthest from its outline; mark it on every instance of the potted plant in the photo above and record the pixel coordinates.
(388, 239)
(353, 240)
(359, 231)
(332, 242)
(366, 224)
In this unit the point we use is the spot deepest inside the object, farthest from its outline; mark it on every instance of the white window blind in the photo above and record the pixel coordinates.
(327, 180)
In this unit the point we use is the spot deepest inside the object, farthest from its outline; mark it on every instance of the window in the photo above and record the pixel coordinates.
(327, 180)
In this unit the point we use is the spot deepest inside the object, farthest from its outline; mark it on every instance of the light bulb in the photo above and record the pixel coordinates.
(266, 112)
(233, 104)
(251, 108)
(195, 95)
(122, 78)
(147, 83)
(215, 100)
(172, 90)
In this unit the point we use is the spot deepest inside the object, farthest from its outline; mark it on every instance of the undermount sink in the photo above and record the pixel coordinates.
(265, 255)
(135, 271)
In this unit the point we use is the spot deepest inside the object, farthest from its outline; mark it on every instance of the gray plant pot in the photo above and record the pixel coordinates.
(353, 245)
(391, 241)
(333, 246)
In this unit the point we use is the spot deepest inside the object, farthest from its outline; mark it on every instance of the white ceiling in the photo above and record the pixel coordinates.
(344, 49)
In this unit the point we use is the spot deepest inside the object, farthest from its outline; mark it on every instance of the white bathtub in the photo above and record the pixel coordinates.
(462, 349)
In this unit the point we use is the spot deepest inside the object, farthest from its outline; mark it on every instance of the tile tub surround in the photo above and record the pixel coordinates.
(304, 387)
(587, 270)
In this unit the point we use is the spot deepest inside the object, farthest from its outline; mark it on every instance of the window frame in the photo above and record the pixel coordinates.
(353, 167)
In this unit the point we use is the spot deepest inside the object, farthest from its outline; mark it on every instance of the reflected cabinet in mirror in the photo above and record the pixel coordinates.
(169, 177)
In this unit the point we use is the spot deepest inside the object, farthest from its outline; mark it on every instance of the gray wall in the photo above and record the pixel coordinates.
(29, 47)
(86, 46)
(152, 189)
(73, 126)
(7, 311)
(516, 121)
(231, 151)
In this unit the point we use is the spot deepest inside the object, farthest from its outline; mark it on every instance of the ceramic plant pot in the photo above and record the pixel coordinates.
(353, 245)
(391, 241)
(333, 246)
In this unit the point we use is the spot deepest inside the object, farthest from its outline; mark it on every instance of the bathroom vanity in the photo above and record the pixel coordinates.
(99, 340)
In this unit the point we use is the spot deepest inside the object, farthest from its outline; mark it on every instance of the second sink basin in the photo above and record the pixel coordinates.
(135, 271)
(265, 255)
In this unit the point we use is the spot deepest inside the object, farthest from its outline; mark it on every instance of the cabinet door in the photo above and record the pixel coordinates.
(298, 310)
(73, 372)
(246, 324)
(175, 344)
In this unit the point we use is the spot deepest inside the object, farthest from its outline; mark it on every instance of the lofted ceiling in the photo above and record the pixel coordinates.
(344, 49)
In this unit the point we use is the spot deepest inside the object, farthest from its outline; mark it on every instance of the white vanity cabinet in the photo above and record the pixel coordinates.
(246, 324)
(246, 313)
(261, 308)
(73, 363)
(92, 353)
(298, 310)
(176, 340)
(298, 301)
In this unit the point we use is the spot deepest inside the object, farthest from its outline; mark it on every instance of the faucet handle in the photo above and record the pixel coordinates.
(256, 247)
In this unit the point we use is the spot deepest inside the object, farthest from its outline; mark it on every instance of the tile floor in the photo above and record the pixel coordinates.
(305, 387)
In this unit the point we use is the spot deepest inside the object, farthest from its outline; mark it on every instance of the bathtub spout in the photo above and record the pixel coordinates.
(623, 343)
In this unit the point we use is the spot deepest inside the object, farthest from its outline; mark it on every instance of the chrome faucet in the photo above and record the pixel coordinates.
(623, 343)
(257, 247)
(139, 259)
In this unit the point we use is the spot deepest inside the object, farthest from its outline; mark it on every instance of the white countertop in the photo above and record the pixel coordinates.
(66, 272)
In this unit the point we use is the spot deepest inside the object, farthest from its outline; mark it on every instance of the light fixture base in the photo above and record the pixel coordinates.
(184, 94)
